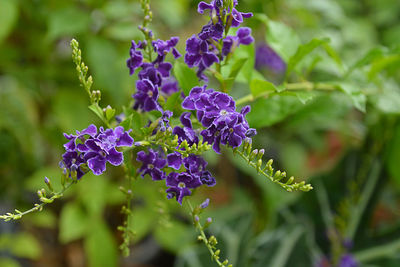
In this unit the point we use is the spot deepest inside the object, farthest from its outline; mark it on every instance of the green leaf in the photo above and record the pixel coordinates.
(127, 123)
(100, 246)
(332, 53)
(302, 51)
(367, 59)
(97, 110)
(173, 102)
(8, 17)
(25, 245)
(110, 112)
(245, 74)
(268, 111)
(93, 192)
(8, 262)
(358, 99)
(305, 97)
(67, 21)
(384, 63)
(186, 77)
(73, 223)
(142, 221)
(388, 101)
(176, 237)
(259, 87)
(280, 37)
(237, 66)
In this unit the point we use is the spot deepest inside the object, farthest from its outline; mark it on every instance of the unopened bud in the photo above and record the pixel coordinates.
(205, 203)
(260, 153)
(48, 183)
(208, 223)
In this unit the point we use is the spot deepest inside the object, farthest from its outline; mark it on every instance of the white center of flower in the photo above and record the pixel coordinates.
(181, 185)
(223, 112)
(150, 93)
(150, 166)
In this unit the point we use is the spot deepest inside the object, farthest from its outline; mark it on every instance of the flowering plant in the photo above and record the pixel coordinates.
(188, 102)
(209, 118)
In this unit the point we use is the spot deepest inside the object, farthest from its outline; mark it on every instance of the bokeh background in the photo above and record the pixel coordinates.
(351, 157)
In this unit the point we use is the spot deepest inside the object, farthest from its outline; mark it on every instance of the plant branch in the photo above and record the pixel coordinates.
(37, 207)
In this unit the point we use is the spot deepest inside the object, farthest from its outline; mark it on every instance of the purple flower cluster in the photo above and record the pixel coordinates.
(179, 183)
(187, 172)
(217, 113)
(92, 149)
(202, 50)
(153, 76)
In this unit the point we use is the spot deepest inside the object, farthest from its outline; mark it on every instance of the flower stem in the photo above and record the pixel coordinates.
(302, 86)
(209, 242)
(37, 207)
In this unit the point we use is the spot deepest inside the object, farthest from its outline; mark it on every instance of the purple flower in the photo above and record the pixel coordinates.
(186, 133)
(201, 52)
(164, 121)
(243, 37)
(266, 57)
(162, 48)
(205, 203)
(80, 136)
(153, 74)
(95, 149)
(347, 260)
(152, 163)
(136, 58)
(72, 161)
(198, 53)
(237, 17)
(146, 96)
(215, 5)
(212, 31)
(174, 160)
(217, 112)
(180, 184)
(206, 178)
(169, 86)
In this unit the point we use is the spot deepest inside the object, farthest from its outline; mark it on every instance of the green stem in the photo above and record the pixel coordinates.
(38, 207)
(364, 199)
(287, 246)
(288, 187)
(307, 86)
(204, 238)
(378, 252)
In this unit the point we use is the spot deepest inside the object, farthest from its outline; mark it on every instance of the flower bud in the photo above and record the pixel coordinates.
(205, 203)
(260, 153)
(48, 183)
(207, 223)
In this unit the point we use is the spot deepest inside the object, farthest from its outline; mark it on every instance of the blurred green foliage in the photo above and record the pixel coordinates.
(336, 138)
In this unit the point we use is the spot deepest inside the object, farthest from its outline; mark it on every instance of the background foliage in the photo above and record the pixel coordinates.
(346, 141)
